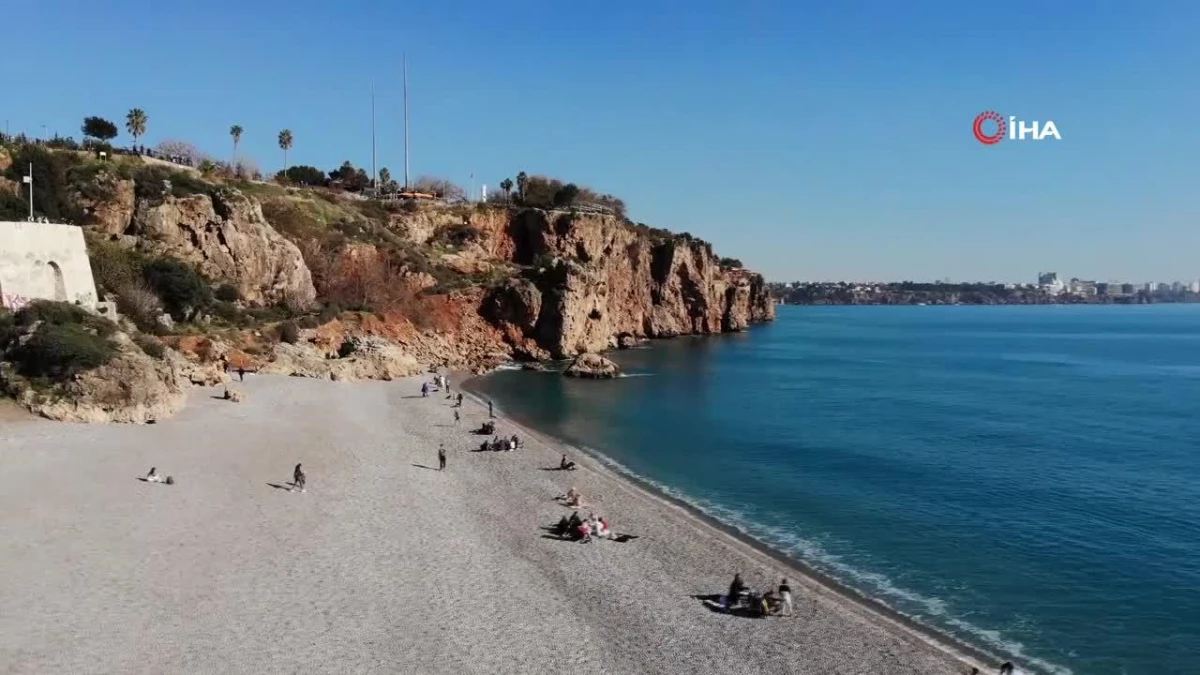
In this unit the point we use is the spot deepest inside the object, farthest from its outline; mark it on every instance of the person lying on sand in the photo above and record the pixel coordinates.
(573, 498)
(564, 465)
(155, 477)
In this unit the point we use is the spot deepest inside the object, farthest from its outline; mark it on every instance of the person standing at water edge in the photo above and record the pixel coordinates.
(441, 458)
(490, 414)
(1007, 668)
(785, 594)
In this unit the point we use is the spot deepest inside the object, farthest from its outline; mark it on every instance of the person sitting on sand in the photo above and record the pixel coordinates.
(298, 479)
(154, 476)
(564, 465)
(573, 523)
(512, 443)
(736, 587)
(584, 533)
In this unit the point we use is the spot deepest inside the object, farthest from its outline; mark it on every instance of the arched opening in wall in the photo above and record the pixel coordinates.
(60, 285)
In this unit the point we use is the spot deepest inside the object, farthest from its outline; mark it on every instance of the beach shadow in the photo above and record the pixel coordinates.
(715, 603)
(143, 479)
(551, 468)
(277, 486)
(422, 466)
(415, 396)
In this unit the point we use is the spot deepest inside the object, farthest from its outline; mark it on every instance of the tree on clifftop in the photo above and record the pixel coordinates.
(522, 178)
(507, 186)
(235, 131)
(99, 128)
(285, 144)
(135, 124)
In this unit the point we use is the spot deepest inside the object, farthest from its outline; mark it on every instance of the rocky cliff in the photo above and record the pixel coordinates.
(592, 280)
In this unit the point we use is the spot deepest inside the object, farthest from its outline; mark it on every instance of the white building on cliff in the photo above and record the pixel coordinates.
(44, 261)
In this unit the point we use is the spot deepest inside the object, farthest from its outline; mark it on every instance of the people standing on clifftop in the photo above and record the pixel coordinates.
(441, 458)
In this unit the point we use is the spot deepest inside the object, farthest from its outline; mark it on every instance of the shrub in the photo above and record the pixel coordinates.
(60, 351)
(459, 234)
(308, 322)
(346, 349)
(151, 346)
(289, 332)
(182, 289)
(154, 182)
(229, 312)
(731, 262)
(329, 312)
(54, 313)
(140, 304)
(114, 267)
(228, 293)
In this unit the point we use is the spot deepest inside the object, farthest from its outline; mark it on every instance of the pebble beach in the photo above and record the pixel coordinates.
(384, 563)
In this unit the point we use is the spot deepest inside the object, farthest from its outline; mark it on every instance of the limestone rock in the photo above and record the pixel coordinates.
(226, 236)
(369, 358)
(106, 201)
(627, 341)
(592, 366)
(132, 387)
(598, 278)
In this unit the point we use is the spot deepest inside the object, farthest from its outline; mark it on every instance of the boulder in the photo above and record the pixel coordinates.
(132, 387)
(369, 358)
(627, 341)
(592, 366)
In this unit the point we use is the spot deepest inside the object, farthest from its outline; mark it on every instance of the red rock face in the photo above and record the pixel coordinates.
(596, 278)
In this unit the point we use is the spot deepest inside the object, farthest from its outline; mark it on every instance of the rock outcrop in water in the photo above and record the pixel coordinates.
(592, 366)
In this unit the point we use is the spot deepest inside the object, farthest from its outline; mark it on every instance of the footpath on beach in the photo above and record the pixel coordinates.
(385, 563)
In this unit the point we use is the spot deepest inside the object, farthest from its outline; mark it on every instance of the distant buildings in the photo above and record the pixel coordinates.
(1050, 283)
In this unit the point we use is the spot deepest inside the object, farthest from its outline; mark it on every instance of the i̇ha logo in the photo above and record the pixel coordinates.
(1012, 128)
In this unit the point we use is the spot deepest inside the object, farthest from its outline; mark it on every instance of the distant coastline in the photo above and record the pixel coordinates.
(914, 293)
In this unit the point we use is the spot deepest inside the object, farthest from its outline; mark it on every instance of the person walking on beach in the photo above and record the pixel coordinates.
(441, 458)
(424, 390)
(456, 417)
(298, 479)
(458, 403)
(241, 374)
(490, 414)
(785, 594)
(1007, 668)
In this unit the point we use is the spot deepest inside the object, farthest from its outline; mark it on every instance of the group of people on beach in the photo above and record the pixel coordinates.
(584, 531)
(766, 603)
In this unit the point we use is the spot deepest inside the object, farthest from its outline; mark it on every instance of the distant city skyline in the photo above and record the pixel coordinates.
(816, 143)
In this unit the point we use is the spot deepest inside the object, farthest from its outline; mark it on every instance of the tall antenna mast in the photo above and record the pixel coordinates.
(374, 174)
(405, 57)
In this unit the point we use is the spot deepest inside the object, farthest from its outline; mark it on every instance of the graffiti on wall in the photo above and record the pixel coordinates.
(14, 301)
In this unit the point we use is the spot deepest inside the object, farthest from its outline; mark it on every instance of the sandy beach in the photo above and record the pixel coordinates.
(384, 564)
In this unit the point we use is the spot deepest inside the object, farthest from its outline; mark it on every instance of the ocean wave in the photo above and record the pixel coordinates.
(877, 586)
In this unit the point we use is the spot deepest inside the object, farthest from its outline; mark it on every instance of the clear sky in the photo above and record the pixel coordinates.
(826, 140)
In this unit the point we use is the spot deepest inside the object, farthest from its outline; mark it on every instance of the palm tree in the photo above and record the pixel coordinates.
(135, 123)
(522, 178)
(506, 185)
(385, 178)
(285, 144)
(236, 132)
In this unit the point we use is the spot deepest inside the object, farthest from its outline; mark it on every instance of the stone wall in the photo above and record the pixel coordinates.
(44, 261)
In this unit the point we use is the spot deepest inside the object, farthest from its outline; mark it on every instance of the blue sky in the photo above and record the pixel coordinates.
(813, 140)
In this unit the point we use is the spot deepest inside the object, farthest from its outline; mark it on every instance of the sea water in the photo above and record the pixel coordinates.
(1026, 479)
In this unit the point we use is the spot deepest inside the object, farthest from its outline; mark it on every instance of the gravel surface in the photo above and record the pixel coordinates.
(384, 564)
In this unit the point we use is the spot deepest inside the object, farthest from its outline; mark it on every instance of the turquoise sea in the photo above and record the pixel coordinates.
(1026, 479)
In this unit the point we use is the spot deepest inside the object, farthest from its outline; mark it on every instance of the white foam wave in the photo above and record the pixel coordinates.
(876, 585)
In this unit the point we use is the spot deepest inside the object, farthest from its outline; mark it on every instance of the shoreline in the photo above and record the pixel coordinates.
(970, 655)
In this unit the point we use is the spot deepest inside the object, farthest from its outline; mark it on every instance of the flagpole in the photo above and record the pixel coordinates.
(374, 174)
(405, 57)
